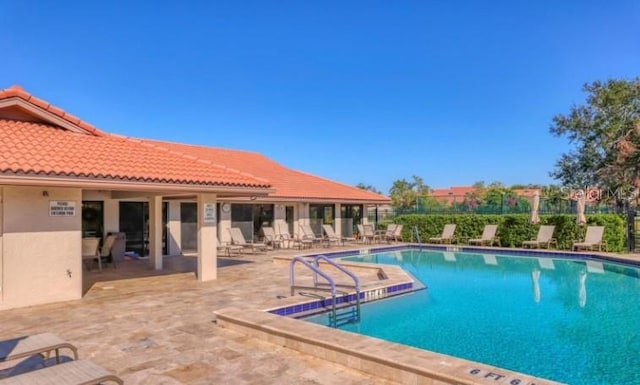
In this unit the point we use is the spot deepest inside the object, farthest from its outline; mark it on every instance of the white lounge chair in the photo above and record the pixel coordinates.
(227, 247)
(544, 239)
(270, 237)
(332, 237)
(91, 252)
(487, 238)
(285, 235)
(27, 346)
(592, 240)
(308, 234)
(446, 236)
(80, 372)
(238, 239)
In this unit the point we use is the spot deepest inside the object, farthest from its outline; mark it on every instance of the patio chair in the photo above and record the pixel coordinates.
(308, 234)
(592, 240)
(91, 252)
(270, 237)
(227, 247)
(27, 346)
(79, 372)
(487, 238)
(388, 234)
(370, 234)
(285, 236)
(332, 237)
(544, 238)
(446, 236)
(106, 256)
(397, 234)
(238, 239)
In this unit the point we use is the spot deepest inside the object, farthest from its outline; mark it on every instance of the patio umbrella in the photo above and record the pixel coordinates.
(580, 219)
(535, 277)
(535, 206)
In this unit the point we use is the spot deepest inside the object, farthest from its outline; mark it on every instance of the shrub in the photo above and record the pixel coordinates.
(513, 229)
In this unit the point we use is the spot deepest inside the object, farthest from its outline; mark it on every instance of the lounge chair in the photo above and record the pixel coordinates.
(367, 234)
(330, 234)
(370, 231)
(397, 234)
(91, 252)
(270, 237)
(446, 236)
(80, 372)
(308, 234)
(387, 234)
(592, 240)
(238, 239)
(487, 238)
(544, 238)
(27, 346)
(285, 236)
(227, 247)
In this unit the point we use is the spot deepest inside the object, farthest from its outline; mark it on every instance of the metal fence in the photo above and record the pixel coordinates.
(503, 207)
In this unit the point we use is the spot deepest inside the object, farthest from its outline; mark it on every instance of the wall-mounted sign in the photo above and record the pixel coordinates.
(62, 208)
(209, 213)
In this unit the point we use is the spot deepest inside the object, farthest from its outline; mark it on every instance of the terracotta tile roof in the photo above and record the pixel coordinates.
(287, 183)
(16, 91)
(39, 149)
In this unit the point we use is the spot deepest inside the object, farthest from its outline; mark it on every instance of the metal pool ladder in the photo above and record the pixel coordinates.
(416, 233)
(347, 314)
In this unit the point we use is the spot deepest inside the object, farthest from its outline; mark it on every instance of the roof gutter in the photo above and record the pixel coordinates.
(170, 188)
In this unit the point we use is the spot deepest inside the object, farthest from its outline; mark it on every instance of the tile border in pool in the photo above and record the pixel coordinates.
(323, 305)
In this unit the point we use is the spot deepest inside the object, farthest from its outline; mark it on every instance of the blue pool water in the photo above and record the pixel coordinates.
(571, 321)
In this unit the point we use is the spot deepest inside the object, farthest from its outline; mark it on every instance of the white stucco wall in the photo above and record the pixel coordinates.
(174, 229)
(40, 254)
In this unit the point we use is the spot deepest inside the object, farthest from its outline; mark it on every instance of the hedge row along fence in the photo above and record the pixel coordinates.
(513, 229)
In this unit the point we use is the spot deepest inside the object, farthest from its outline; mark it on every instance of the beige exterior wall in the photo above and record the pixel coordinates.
(40, 254)
(173, 228)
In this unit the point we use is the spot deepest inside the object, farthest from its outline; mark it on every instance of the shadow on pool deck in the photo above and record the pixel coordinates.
(153, 327)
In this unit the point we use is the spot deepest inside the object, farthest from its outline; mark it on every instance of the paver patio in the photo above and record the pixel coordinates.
(161, 329)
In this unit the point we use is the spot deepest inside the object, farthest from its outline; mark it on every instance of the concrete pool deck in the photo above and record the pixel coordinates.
(160, 329)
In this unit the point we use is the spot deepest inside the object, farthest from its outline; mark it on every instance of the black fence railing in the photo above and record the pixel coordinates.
(507, 206)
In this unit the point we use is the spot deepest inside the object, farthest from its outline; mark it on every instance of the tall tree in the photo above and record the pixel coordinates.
(605, 134)
(404, 194)
(368, 187)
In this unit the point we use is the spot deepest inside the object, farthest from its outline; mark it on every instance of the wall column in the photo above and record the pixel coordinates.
(303, 217)
(337, 228)
(174, 231)
(155, 232)
(207, 253)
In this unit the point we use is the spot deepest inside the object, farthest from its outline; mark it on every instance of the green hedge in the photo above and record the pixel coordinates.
(513, 229)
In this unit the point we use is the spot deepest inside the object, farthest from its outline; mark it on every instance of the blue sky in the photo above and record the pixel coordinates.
(356, 91)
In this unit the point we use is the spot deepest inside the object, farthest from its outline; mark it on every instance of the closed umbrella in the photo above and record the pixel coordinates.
(535, 206)
(581, 219)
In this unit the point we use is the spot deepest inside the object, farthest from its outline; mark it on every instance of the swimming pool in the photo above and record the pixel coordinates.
(572, 321)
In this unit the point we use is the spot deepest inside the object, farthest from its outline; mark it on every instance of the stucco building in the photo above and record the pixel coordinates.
(61, 179)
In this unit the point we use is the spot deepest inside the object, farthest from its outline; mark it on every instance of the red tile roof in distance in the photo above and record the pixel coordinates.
(41, 149)
(288, 183)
